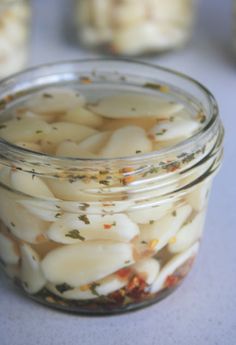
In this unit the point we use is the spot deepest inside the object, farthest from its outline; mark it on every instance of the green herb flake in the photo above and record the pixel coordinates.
(138, 151)
(93, 288)
(13, 224)
(63, 287)
(153, 86)
(75, 234)
(58, 215)
(47, 95)
(84, 219)
(174, 213)
(163, 131)
(3, 126)
(104, 182)
(151, 221)
(83, 206)
(39, 131)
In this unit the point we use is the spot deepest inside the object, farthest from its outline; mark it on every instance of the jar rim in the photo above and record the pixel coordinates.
(183, 146)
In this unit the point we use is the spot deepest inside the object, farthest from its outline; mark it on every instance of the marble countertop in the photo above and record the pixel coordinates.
(203, 310)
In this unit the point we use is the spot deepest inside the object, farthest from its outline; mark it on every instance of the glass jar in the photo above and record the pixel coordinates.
(234, 26)
(14, 35)
(116, 234)
(134, 27)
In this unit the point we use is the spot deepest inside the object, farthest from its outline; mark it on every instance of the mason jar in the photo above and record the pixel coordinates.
(134, 27)
(14, 35)
(111, 232)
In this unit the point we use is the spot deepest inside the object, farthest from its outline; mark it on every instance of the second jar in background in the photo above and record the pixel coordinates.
(134, 27)
(14, 34)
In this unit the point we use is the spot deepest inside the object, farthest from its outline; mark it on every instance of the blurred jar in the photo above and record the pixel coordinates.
(134, 27)
(14, 35)
(234, 26)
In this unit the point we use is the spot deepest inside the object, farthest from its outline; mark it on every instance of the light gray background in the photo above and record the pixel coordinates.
(203, 310)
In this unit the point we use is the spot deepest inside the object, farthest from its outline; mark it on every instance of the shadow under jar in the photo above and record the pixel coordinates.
(15, 16)
(134, 27)
(104, 182)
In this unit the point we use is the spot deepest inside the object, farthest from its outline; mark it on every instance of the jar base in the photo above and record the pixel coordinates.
(114, 303)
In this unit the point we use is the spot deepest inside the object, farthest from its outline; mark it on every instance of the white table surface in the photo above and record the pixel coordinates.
(203, 310)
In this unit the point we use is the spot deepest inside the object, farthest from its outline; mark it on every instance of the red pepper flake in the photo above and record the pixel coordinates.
(136, 287)
(107, 226)
(171, 281)
(123, 273)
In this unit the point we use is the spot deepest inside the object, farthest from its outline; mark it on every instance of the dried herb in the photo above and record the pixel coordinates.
(174, 213)
(163, 131)
(47, 95)
(151, 222)
(38, 131)
(3, 126)
(84, 219)
(104, 182)
(58, 215)
(93, 288)
(75, 234)
(153, 86)
(83, 206)
(63, 287)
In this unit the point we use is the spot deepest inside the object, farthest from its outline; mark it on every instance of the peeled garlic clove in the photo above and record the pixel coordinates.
(61, 131)
(24, 113)
(157, 235)
(72, 149)
(20, 222)
(172, 130)
(128, 13)
(148, 269)
(150, 214)
(82, 116)
(188, 234)
(127, 141)
(72, 228)
(65, 190)
(100, 13)
(41, 209)
(197, 198)
(55, 100)
(145, 122)
(172, 266)
(29, 146)
(25, 129)
(31, 274)
(95, 142)
(136, 38)
(100, 288)
(8, 250)
(30, 184)
(133, 105)
(84, 263)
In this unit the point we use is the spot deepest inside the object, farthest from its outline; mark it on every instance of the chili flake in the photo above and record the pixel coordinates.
(152, 244)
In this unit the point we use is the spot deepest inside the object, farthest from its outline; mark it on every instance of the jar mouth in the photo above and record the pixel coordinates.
(199, 137)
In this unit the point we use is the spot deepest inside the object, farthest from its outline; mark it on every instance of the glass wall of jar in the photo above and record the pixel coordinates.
(234, 26)
(134, 27)
(106, 168)
(14, 35)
